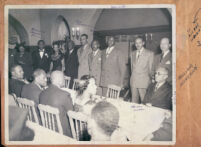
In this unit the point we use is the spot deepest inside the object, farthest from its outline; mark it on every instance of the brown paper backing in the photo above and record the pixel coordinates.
(188, 96)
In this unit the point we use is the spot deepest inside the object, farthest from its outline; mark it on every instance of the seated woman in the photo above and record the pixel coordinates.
(86, 89)
(57, 60)
(24, 59)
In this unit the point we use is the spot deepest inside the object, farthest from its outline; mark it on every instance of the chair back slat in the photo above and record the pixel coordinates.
(113, 91)
(30, 105)
(77, 120)
(75, 84)
(14, 97)
(67, 81)
(47, 116)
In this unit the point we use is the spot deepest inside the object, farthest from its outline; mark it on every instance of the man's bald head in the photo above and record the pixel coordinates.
(165, 44)
(40, 77)
(57, 78)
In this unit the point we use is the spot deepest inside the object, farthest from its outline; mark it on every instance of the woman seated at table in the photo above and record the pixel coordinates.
(86, 89)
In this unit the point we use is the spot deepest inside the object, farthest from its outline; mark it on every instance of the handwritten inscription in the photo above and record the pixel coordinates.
(187, 74)
(36, 33)
(118, 6)
(194, 31)
(137, 108)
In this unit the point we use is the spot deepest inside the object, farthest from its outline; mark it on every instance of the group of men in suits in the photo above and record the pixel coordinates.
(151, 76)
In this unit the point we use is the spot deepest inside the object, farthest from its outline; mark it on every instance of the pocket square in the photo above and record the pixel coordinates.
(168, 62)
(99, 59)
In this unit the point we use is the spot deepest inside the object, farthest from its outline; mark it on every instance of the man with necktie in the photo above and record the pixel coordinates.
(41, 57)
(159, 94)
(113, 66)
(141, 70)
(95, 64)
(165, 58)
(83, 53)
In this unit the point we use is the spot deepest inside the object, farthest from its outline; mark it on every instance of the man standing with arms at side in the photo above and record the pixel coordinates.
(71, 62)
(113, 66)
(95, 64)
(141, 70)
(83, 53)
(41, 57)
(165, 58)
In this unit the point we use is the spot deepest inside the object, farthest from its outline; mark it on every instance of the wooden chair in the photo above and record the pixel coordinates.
(67, 81)
(113, 91)
(15, 98)
(30, 105)
(50, 118)
(78, 123)
(75, 84)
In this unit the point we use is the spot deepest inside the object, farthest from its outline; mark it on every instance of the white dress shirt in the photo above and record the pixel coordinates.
(109, 50)
(41, 52)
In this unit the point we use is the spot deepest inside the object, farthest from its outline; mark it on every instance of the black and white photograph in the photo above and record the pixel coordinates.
(90, 74)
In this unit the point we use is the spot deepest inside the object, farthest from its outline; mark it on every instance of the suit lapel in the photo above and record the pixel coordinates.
(166, 58)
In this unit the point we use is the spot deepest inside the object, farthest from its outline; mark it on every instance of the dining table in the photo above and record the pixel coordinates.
(136, 120)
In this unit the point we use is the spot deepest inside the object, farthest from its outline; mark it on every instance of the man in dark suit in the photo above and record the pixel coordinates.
(95, 64)
(54, 96)
(141, 70)
(32, 91)
(165, 58)
(113, 66)
(41, 57)
(71, 62)
(16, 82)
(159, 94)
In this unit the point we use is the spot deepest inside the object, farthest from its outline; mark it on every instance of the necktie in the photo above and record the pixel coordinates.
(138, 55)
(156, 87)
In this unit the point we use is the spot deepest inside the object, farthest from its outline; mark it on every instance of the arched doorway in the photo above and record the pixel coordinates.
(60, 29)
(17, 31)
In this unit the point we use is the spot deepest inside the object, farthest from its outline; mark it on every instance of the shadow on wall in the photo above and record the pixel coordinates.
(19, 28)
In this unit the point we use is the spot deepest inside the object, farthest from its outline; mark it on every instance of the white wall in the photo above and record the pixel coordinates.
(30, 19)
(84, 19)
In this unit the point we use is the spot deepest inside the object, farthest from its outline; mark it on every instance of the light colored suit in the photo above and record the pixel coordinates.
(112, 69)
(141, 73)
(95, 68)
(83, 68)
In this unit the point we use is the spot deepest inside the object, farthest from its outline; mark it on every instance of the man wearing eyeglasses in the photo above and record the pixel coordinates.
(159, 94)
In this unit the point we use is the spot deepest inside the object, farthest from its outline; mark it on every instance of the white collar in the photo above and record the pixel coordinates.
(159, 84)
(109, 50)
(95, 52)
(165, 53)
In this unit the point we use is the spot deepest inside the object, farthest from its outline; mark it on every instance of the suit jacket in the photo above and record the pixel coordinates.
(113, 68)
(71, 64)
(162, 97)
(55, 97)
(164, 62)
(95, 66)
(15, 86)
(18, 131)
(141, 70)
(32, 91)
(165, 132)
(83, 68)
(44, 62)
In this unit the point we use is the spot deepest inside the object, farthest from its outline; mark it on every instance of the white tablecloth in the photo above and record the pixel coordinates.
(47, 136)
(138, 120)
